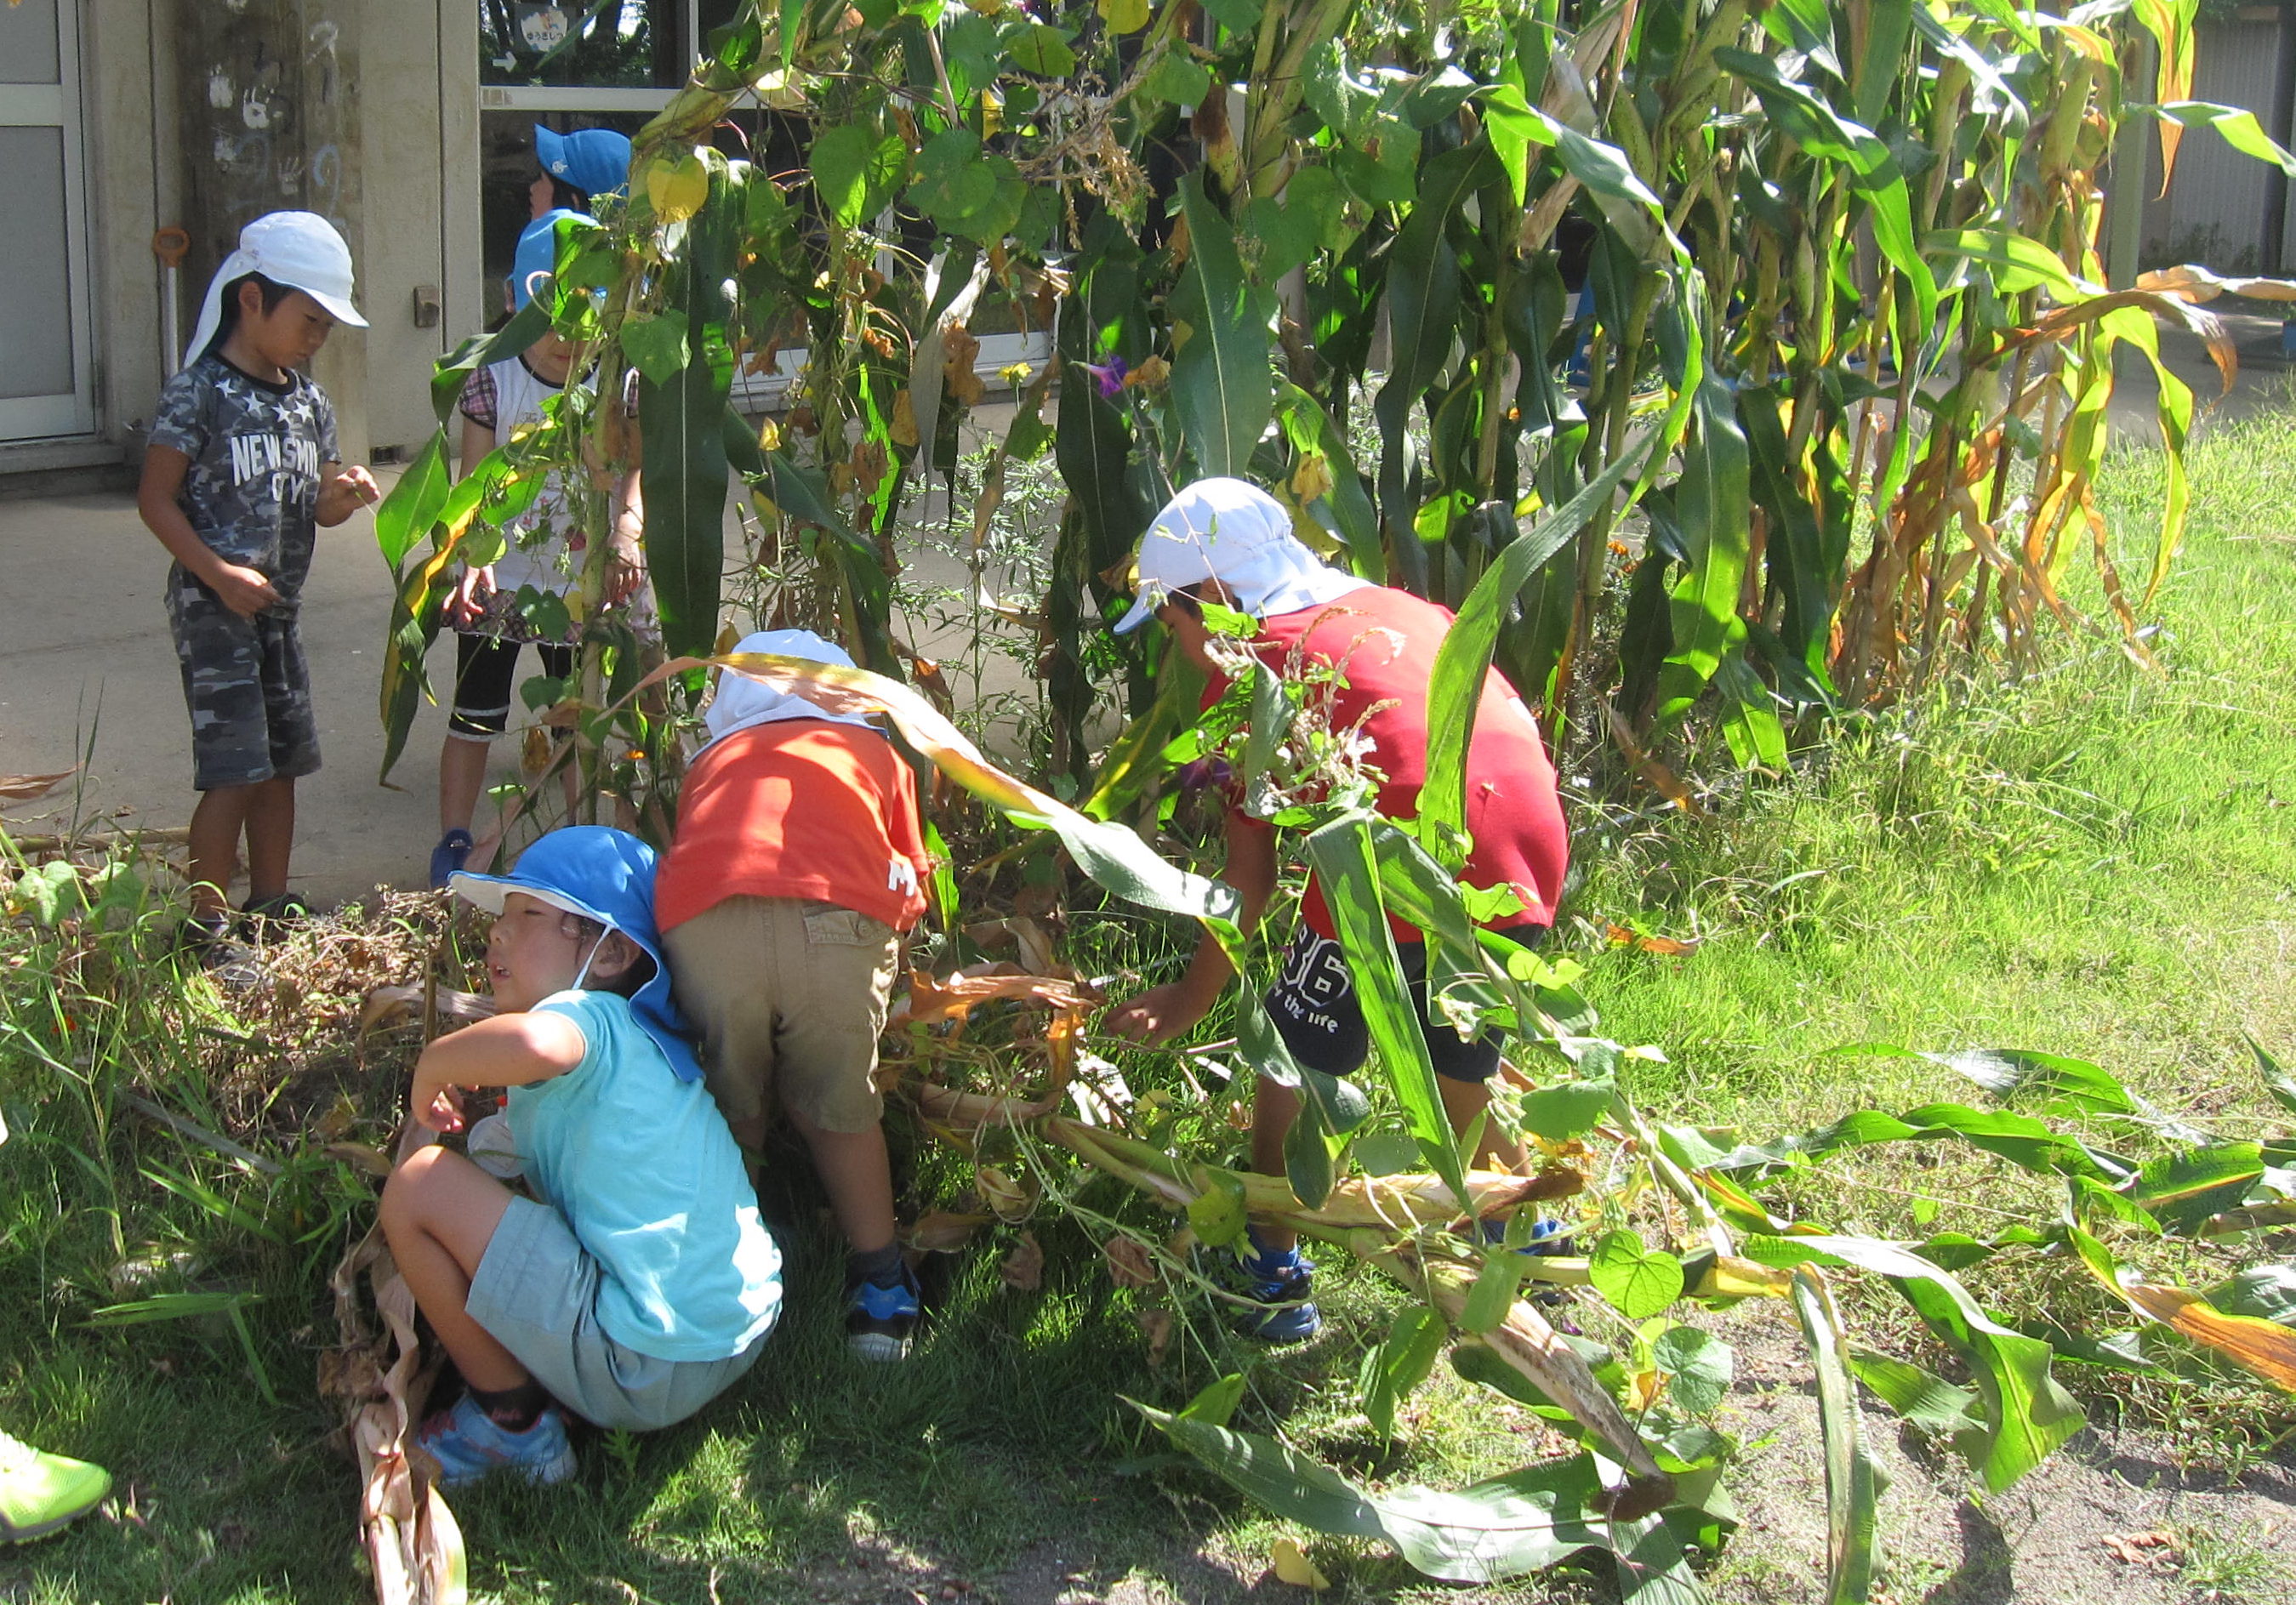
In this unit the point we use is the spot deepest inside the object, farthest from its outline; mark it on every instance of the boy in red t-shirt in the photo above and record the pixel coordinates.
(799, 861)
(1228, 542)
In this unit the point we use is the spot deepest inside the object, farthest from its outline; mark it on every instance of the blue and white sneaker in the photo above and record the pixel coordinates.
(1278, 1278)
(880, 1323)
(468, 1443)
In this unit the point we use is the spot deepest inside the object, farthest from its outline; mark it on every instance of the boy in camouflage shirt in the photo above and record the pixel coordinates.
(242, 465)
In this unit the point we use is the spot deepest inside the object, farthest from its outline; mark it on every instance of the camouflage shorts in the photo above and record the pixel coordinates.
(248, 690)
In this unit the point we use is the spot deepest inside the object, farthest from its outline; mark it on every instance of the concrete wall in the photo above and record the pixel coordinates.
(353, 108)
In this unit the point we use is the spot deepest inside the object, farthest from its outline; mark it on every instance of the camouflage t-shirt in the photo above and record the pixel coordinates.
(252, 489)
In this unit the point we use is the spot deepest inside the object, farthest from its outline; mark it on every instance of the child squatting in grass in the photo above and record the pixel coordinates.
(242, 468)
(638, 1283)
(1226, 541)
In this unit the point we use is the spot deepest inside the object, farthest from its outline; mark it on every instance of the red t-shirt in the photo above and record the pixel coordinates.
(797, 809)
(1384, 642)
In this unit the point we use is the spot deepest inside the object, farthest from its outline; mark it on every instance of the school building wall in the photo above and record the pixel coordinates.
(202, 115)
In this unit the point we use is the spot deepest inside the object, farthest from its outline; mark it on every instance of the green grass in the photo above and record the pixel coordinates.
(2096, 861)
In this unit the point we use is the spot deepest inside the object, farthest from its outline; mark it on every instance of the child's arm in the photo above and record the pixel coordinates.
(468, 603)
(245, 591)
(341, 495)
(626, 563)
(510, 1050)
(1162, 1012)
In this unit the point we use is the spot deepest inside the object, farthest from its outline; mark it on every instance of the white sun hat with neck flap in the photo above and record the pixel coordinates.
(299, 250)
(1237, 534)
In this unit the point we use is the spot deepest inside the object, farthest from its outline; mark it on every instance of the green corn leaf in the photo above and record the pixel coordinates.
(2239, 126)
(2027, 1413)
(683, 474)
(1889, 24)
(1285, 1482)
(1492, 1294)
(2277, 1082)
(2058, 1085)
(2264, 1292)
(1345, 866)
(2184, 1190)
(2019, 263)
(1415, 1342)
(1454, 687)
(1218, 1402)
(406, 514)
(1714, 502)
(1503, 1528)
(1940, 1408)
(167, 1306)
(1853, 1482)
(1222, 389)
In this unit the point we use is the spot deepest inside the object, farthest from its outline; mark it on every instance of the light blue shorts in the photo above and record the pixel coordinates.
(537, 1292)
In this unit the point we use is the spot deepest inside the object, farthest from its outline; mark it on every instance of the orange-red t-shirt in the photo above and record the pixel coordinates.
(797, 809)
(1383, 641)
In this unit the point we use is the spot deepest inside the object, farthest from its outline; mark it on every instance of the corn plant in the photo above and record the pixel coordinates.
(1838, 287)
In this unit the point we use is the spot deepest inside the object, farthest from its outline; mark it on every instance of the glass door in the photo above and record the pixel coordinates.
(46, 368)
(569, 64)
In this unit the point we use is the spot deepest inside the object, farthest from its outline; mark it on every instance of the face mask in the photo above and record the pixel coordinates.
(583, 974)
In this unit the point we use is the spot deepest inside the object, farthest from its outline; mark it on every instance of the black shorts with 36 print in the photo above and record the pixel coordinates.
(1315, 1010)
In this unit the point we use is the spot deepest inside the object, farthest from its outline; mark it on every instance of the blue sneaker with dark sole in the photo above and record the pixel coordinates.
(880, 1323)
(469, 1445)
(452, 851)
(1279, 1278)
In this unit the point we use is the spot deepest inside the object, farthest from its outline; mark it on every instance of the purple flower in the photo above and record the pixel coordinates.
(1210, 770)
(1108, 375)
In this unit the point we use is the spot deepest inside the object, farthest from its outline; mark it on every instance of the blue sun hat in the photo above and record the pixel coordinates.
(595, 162)
(605, 876)
(538, 253)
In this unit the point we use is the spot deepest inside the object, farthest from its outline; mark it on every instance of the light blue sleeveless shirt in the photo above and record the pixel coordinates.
(645, 1171)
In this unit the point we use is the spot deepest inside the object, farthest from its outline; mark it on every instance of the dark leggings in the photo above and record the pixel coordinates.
(484, 667)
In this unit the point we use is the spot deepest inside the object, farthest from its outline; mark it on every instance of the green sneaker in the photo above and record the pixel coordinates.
(41, 1493)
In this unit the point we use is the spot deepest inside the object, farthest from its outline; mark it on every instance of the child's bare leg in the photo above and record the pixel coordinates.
(216, 826)
(1274, 1107)
(1462, 1100)
(857, 1175)
(462, 776)
(270, 836)
(439, 1212)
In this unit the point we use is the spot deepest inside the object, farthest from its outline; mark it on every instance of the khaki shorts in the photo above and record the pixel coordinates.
(787, 993)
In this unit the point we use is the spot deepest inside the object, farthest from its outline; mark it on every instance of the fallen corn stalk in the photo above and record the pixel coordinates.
(382, 1377)
(1351, 1217)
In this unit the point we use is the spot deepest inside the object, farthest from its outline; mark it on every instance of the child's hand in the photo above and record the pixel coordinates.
(436, 1106)
(468, 604)
(625, 569)
(245, 591)
(347, 491)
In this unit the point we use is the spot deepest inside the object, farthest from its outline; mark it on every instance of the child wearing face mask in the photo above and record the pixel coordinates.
(639, 1282)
